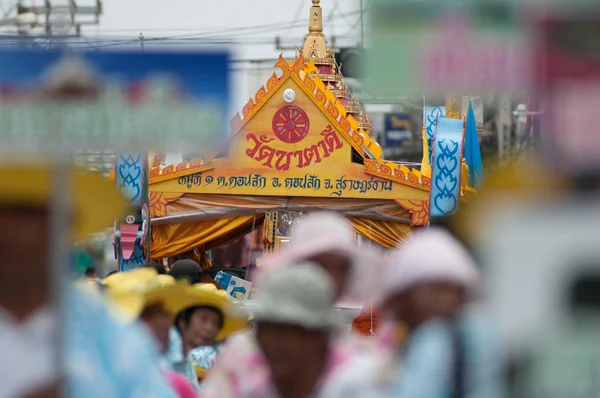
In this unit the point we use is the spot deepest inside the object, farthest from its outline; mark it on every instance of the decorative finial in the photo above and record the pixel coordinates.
(315, 24)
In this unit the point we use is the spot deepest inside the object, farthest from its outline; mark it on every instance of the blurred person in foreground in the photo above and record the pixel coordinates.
(450, 350)
(102, 357)
(146, 296)
(204, 318)
(186, 269)
(291, 352)
(91, 274)
(326, 239)
(159, 268)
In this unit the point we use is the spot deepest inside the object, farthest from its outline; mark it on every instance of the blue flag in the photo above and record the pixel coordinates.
(472, 152)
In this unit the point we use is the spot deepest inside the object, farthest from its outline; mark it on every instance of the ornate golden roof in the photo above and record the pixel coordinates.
(315, 49)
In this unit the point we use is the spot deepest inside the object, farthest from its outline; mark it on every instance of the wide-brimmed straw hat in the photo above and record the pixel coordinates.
(327, 232)
(135, 290)
(300, 295)
(431, 255)
(95, 202)
(207, 295)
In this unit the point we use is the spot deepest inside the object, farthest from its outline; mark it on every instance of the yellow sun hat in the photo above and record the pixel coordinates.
(135, 290)
(95, 202)
(207, 295)
(139, 275)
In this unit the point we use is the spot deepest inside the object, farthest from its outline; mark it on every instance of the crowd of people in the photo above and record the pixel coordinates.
(162, 332)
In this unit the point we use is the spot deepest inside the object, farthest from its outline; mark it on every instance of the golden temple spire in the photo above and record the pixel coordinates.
(314, 42)
(316, 17)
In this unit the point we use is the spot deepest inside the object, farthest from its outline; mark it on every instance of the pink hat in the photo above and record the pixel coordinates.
(326, 232)
(429, 255)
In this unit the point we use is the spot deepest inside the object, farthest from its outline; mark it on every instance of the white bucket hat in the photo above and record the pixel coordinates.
(324, 232)
(429, 255)
(300, 295)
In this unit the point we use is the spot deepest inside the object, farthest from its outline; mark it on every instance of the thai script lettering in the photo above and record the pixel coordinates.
(190, 181)
(306, 182)
(253, 180)
(282, 160)
(343, 184)
(258, 182)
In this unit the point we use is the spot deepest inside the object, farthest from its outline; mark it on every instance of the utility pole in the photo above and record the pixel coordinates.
(362, 27)
(504, 125)
(141, 37)
(51, 18)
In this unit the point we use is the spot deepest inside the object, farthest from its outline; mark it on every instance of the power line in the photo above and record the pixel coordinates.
(296, 15)
(360, 18)
(235, 31)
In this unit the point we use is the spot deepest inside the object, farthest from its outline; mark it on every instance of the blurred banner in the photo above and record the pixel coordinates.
(439, 46)
(569, 83)
(431, 114)
(398, 130)
(448, 147)
(55, 102)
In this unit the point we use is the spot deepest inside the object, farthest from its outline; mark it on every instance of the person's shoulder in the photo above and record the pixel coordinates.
(357, 377)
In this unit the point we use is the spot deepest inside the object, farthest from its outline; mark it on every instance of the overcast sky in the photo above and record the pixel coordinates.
(254, 24)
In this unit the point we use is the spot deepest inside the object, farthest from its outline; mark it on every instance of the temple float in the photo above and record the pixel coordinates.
(302, 144)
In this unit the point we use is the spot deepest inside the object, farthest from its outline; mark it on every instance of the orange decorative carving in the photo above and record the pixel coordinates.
(309, 84)
(168, 170)
(370, 166)
(261, 94)
(413, 179)
(299, 65)
(283, 65)
(248, 108)
(358, 142)
(385, 169)
(159, 201)
(399, 174)
(181, 166)
(158, 159)
(154, 172)
(195, 163)
(272, 82)
(426, 181)
(419, 210)
(320, 97)
(345, 125)
(332, 110)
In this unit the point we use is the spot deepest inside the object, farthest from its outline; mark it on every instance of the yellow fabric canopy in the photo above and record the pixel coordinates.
(172, 239)
(388, 234)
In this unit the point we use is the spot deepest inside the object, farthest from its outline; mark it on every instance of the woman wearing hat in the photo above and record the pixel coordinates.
(205, 317)
(142, 294)
(326, 239)
(450, 350)
(291, 353)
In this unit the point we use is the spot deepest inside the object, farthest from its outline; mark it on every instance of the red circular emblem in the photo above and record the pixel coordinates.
(290, 124)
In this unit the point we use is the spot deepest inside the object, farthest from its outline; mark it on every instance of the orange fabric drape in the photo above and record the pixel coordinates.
(172, 239)
(388, 234)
